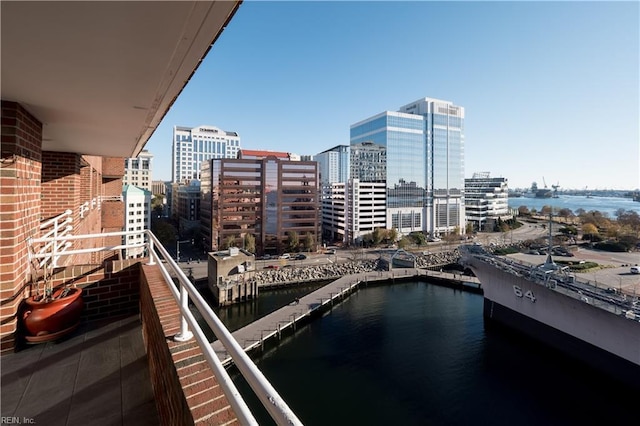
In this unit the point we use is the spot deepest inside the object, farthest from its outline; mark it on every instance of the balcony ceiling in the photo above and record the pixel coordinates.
(100, 76)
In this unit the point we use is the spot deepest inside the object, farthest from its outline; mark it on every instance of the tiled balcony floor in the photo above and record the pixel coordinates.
(96, 376)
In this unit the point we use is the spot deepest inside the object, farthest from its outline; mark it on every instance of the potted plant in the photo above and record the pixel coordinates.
(50, 312)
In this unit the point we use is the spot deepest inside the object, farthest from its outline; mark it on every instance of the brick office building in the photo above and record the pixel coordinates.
(263, 193)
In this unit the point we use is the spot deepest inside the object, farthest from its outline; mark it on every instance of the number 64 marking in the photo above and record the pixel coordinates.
(529, 294)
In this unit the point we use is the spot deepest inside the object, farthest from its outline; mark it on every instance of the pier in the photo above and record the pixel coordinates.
(254, 335)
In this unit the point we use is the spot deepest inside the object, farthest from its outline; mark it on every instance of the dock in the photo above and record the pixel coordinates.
(254, 335)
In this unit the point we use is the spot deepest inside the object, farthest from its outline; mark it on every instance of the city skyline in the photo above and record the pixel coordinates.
(550, 89)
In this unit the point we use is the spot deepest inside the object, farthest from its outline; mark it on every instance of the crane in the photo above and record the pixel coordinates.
(555, 189)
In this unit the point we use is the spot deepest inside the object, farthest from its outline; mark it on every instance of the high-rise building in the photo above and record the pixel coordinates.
(486, 200)
(158, 187)
(138, 171)
(185, 205)
(352, 209)
(333, 164)
(261, 193)
(424, 148)
(137, 213)
(193, 146)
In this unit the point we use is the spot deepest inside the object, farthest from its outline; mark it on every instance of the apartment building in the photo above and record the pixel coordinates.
(137, 213)
(138, 171)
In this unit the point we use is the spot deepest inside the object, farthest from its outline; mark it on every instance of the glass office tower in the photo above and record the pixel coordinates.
(424, 144)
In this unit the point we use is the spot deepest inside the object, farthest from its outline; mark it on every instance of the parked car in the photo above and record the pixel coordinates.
(331, 251)
(285, 256)
(271, 267)
(300, 257)
(635, 270)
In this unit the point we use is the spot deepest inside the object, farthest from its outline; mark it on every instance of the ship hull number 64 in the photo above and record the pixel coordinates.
(527, 295)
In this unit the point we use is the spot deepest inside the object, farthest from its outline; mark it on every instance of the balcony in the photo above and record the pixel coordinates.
(66, 130)
(138, 343)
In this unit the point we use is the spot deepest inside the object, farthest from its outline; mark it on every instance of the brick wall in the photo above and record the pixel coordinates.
(113, 167)
(186, 390)
(20, 173)
(110, 290)
(61, 184)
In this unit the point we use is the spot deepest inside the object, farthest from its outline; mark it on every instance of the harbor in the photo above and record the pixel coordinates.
(255, 335)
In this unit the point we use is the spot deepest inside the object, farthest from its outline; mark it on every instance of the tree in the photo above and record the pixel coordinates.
(377, 236)
(309, 242)
(565, 213)
(165, 232)
(469, 228)
(546, 210)
(229, 241)
(418, 238)
(404, 242)
(393, 235)
(524, 211)
(249, 243)
(589, 230)
(293, 241)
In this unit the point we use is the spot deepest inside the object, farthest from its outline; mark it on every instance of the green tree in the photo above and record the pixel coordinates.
(309, 242)
(229, 241)
(418, 238)
(293, 241)
(249, 243)
(404, 242)
(377, 236)
(165, 232)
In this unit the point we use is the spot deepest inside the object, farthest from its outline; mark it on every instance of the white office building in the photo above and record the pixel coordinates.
(352, 209)
(137, 210)
(486, 201)
(138, 171)
(193, 146)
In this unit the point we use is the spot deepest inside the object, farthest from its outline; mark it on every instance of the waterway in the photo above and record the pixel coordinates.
(421, 354)
(607, 205)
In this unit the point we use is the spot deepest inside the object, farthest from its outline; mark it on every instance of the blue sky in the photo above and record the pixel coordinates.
(550, 89)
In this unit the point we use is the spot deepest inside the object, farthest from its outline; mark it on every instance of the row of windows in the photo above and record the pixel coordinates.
(406, 220)
(446, 120)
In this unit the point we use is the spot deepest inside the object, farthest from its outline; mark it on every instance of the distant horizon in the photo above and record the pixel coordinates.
(559, 105)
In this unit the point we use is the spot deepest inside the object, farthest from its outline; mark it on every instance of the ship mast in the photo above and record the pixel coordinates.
(548, 264)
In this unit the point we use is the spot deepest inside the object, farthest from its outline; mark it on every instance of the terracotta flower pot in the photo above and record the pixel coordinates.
(50, 320)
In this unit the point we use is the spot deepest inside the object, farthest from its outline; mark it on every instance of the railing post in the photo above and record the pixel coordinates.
(54, 255)
(152, 260)
(184, 333)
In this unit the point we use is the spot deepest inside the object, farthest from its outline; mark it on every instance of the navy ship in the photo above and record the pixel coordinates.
(595, 325)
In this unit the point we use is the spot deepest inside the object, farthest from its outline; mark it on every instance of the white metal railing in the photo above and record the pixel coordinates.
(84, 207)
(53, 245)
(189, 327)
